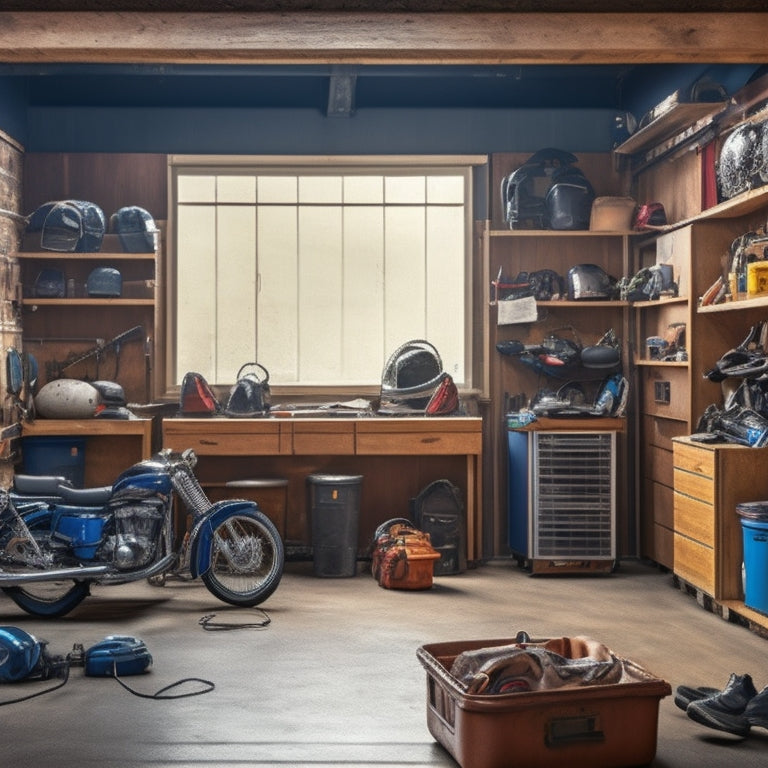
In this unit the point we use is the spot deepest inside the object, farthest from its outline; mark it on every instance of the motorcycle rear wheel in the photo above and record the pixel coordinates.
(247, 560)
(49, 599)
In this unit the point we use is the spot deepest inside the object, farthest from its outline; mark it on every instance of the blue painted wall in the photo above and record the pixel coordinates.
(307, 131)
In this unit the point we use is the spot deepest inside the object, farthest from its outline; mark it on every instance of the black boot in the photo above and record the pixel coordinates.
(725, 710)
(757, 709)
(685, 694)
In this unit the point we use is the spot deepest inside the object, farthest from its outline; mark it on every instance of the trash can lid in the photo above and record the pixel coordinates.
(753, 510)
(335, 479)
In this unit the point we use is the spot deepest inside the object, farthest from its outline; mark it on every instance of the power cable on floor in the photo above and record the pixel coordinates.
(208, 686)
(207, 623)
(64, 667)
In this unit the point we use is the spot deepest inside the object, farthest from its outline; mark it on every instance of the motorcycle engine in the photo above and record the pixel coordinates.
(137, 532)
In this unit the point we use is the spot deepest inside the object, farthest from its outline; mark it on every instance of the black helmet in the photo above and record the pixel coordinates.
(523, 192)
(69, 226)
(569, 200)
(136, 229)
(588, 281)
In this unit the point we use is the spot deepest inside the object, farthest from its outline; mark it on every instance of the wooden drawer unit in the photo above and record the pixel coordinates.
(228, 437)
(324, 437)
(710, 480)
(418, 437)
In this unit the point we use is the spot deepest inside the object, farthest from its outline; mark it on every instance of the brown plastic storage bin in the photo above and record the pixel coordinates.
(601, 726)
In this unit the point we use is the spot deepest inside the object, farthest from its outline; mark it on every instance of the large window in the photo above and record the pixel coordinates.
(318, 271)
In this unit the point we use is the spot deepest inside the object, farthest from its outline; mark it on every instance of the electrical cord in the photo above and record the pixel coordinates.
(211, 626)
(208, 686)
(56, 667)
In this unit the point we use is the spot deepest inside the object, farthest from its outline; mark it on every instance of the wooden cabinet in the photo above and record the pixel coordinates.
(674, 395)
(110, 445)
(710, 480)
(59, 330)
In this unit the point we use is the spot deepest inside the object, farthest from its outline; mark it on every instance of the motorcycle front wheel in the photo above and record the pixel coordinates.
(49, 599)
(247, 560)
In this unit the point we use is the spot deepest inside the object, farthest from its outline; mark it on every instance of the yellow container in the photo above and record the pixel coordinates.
(757, 278)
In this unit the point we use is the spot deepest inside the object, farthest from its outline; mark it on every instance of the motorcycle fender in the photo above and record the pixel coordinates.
(201, 537)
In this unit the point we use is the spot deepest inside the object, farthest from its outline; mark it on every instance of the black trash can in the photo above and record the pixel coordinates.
(335, 505)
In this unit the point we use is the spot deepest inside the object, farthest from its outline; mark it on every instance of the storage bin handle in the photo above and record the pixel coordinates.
(562, 731)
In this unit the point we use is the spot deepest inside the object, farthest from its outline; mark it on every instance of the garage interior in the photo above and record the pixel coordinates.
(332, 677)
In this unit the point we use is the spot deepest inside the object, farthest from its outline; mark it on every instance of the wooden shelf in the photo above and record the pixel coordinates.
(87, 302)
(95, 256)
(660, 302)
(662, 363)
(677, 118)
(560, 233)
(735, 306)
(583, 304)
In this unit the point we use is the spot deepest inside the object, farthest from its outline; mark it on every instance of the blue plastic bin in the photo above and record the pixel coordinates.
(754, 526)
(61, 456)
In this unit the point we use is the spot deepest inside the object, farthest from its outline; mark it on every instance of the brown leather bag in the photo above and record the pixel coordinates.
(403, 558)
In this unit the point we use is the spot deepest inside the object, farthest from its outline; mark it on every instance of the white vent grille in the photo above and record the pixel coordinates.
(574, 495)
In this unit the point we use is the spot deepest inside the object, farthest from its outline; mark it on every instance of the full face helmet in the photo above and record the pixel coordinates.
(741, 159)
(589, 281)
(524, 191)
(69, 226)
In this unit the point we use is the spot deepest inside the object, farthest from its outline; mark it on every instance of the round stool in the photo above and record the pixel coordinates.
(270, 493)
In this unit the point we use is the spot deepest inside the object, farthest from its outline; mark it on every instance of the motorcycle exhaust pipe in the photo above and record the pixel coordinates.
(161, 566)
(78, 574)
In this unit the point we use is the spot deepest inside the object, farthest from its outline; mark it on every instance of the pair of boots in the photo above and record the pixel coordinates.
(735, 709)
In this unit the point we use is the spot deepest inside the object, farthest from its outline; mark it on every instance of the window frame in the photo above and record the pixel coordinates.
(308, 165)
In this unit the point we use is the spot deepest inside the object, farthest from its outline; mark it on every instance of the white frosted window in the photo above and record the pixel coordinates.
(319, 275)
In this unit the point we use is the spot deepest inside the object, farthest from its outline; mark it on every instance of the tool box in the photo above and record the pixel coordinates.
(595, 726)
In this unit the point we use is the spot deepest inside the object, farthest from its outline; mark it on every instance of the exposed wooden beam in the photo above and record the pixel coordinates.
(375, 38)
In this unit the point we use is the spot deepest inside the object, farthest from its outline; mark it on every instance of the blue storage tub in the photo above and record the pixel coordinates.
(754, 526)
(61, 456)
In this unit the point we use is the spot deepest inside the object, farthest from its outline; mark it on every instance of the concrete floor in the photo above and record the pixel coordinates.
(334, 679)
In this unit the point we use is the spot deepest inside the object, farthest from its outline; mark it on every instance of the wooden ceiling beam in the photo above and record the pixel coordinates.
(383, 38)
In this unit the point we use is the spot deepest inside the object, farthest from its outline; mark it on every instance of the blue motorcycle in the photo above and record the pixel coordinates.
(56, 540)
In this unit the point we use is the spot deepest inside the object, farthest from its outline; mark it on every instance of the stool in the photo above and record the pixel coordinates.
(271, 494)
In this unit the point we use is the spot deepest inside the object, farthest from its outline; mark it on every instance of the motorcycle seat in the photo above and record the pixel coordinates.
(38, 485)
(88, 497)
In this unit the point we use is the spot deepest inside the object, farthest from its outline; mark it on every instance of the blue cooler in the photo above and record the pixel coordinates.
(754, 526)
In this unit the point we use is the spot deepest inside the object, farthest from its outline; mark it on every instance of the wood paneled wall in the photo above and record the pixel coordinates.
(109, 180)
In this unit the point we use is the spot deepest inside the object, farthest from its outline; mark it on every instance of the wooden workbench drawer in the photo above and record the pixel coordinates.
(695, 458)
(696, 486)
(419, 437)
(695, 519)
(695, 563)
(227, 437)
(322, 437)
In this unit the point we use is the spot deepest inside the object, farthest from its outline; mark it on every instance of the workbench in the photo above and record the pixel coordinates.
(397, 456)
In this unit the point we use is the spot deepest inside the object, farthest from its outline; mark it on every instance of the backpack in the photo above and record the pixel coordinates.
(196, 397)
(250, 396)
(439, 512)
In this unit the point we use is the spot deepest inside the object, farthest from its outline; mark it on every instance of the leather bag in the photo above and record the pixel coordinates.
(250, 396)
(403, 558)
